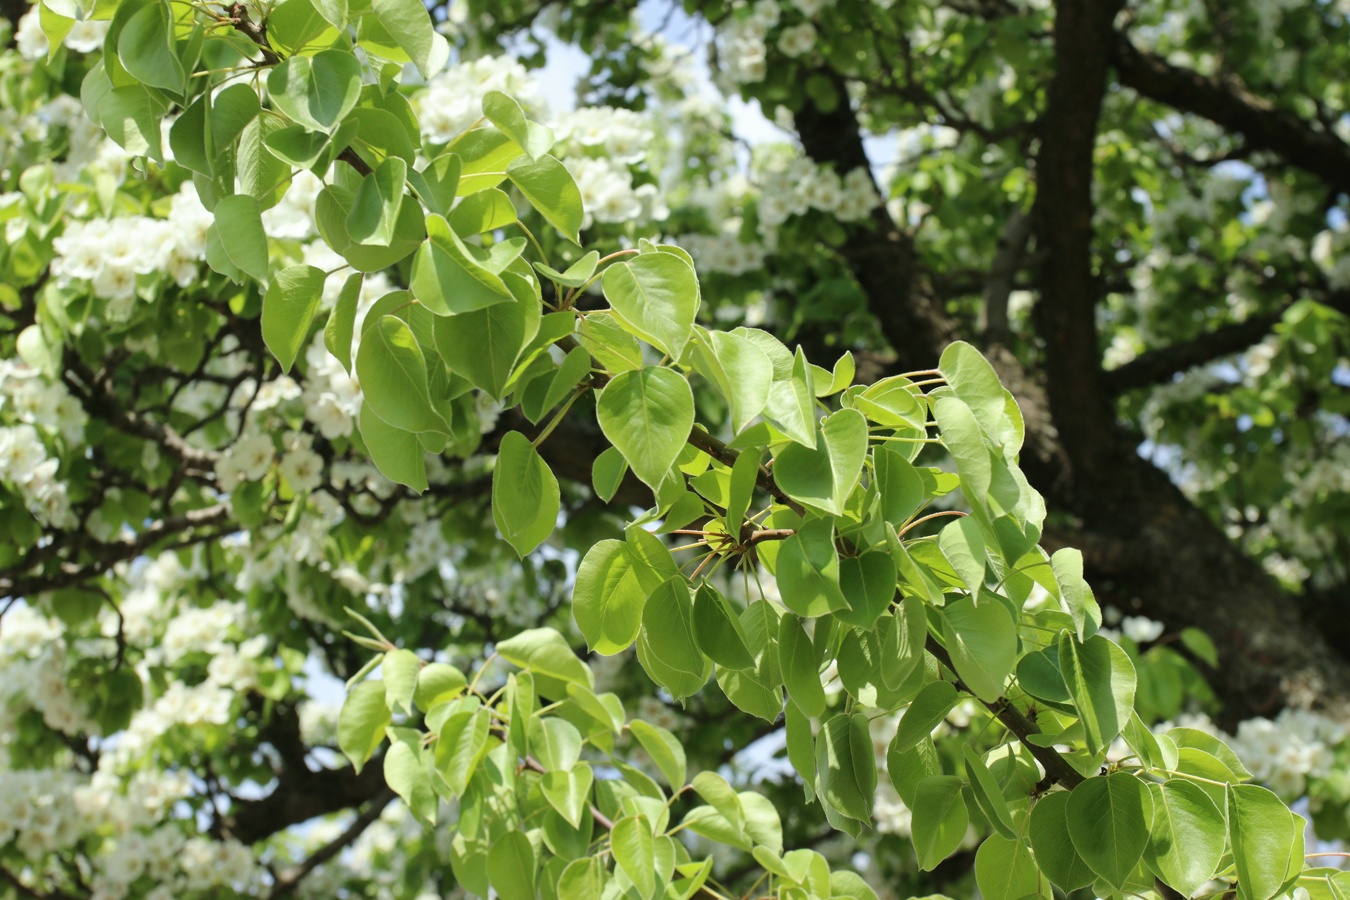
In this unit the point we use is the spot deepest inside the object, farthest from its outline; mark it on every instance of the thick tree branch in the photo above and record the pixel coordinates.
(1002, 274)
(1159, 365)
(1266, 127)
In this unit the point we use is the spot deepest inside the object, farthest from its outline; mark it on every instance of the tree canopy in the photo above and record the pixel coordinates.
(411, 490)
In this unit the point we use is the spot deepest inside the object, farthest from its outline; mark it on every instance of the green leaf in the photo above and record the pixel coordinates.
(1263, 834)
(607, 473)
(868, 582)
(960, 433)
(929, 707)
(809, 572)
(664, 749)
(576, 275)
(239, 221)
(334, 11)
(608, 598)
(145, 47)
(634, 851)
(583, 879)
(316, 91)
(1101, 681)
(988, 795)
(823, 477)
(393, 376)
(1004, 870)
(525, 498)
(378, 201)
(569, 791)
(437, 683)
(460, 747)
(507, 115)
(847, 766)
(792, 401)
(261, 175)
(1186, 839)
(438, 183)
(297, 26)
(656, 297)
(288, 310)
(188, 136)
(1075, 595)
(409, 23)
(903, 642)
(740, 371)
(667, 647)
(337, 334)
(899, 483)
(1048, 830)
(556, 743)
(962, 544)
(1201, 646)
(405, 771)
(362, 721)
(484, 344)
(549, 188)
(801, 747)
(544, 652)
(801, 672)
(974, 380)
(397, 453)
(939, 820)
(399, 672)
(447, 279)
(511, 864)
(484, 211)
(131, 117)
(648, 415)
(1199, 740)
(908, 767)
(714, 789)
(719, 630)
(982, 641)
(1108, 819)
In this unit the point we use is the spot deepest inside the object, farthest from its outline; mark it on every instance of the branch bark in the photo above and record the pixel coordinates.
(1227, 103)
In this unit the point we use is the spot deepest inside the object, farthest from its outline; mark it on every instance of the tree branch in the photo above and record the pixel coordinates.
(1002, 273)
(1157, 366)
(288, 881)
(1057, 768)
(1266, 127)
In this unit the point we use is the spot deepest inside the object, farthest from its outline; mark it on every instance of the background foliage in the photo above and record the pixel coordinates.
(1137, 214)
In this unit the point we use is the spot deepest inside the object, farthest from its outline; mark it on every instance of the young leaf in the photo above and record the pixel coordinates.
(648, 415)
(406, 773)
(982, 641)
(656, 297)
(823, 477)
(1048, 830)
(548, 186)
(399, 672)
(511, 864)
(447, 279)
(556, 743)
(506, 114)
(362, 721)
(1108, 819)
(525, 498)
(409, 23)
(847, 767)
(797, 660)
(239, 222)
(378, 201)
(483, 344)
(1004, 870)
(988, 795)
(1262, 833)
(569, 791)
(397, 453)
(940, 819)
(634, 851)
(1186, 840)
(808, 571)
(145, 47)
(289, 306)
(337, 334)
(930, 707)
(1075, 595)
(608, 599)
(316, 91)
(393, 375)
(1101, 681)
(667, 647)
(663, 748)
(801, 747)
